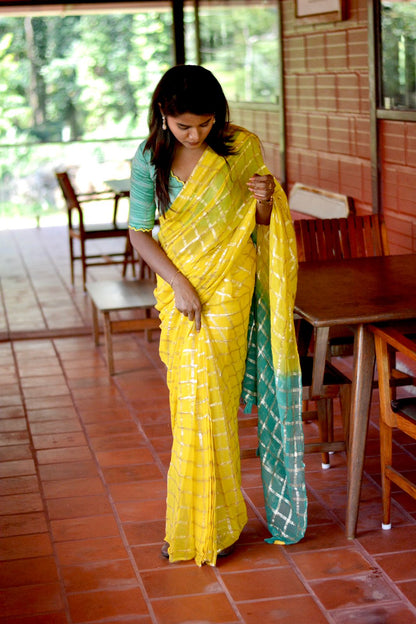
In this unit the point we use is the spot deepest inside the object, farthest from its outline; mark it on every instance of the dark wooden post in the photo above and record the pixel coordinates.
(178, 31)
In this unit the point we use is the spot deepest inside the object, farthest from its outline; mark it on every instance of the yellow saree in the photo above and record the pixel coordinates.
(207, 233)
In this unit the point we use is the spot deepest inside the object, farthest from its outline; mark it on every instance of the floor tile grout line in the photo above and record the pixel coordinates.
(394, 503)
(136, 419)
(234, 604)
(68, 289)
(40, 485)
(378, 569)
(375, 569)
(112, 503)
(370, 475)
(4, 306)
(30, 280)
(366, 555)
(139, 424)
(335, 518)
(44, 498)
(357, 608)
(305, 583)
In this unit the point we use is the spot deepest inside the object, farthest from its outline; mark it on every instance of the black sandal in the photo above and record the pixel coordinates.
(164, 551)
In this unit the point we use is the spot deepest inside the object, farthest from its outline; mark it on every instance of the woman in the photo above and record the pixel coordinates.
(216, 200)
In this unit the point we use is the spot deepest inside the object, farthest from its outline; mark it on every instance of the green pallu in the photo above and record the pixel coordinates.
(273, 379)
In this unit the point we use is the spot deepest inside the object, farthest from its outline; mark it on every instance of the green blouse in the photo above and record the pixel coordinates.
(142, 191)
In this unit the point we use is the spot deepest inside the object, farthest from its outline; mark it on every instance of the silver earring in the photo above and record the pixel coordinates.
(164, 126)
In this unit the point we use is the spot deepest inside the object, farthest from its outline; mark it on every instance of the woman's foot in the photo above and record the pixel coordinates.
(164, 551)
(226, 551)
(221, 553)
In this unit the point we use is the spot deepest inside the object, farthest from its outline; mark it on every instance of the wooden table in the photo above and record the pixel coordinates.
(108, 297)
(355, 293)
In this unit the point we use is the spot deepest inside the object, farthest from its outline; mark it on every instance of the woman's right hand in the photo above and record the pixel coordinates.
(186, 299)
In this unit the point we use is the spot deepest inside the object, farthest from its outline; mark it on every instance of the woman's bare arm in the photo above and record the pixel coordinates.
(186, 297)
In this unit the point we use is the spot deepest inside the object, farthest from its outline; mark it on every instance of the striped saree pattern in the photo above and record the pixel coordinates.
(207, 233)
(273, 378)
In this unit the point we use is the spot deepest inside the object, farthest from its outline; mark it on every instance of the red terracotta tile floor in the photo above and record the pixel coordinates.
(83, 461)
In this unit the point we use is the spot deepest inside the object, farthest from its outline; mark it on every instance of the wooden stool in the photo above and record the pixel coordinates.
(119, 296)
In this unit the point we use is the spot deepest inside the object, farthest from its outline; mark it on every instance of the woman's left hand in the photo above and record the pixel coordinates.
(262, 187)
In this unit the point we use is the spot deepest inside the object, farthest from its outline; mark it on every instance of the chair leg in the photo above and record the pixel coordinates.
(84, 264)
(148, 332)
(386, 456)
(108, 343)
(132, 260)
(324, 407)
(128, 254)
(71, 255)
(95, 324)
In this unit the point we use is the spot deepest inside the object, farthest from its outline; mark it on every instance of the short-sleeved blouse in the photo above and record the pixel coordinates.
(142, 191)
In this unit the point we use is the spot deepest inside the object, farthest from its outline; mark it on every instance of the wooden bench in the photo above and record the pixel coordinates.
(318, 203)
(110, 297)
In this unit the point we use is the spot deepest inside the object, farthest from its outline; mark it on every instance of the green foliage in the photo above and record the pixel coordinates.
(240, 46)
(79, 76)
(398, 28)
(65, 79)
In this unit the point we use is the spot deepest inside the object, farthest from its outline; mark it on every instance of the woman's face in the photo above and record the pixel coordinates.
(190, 130)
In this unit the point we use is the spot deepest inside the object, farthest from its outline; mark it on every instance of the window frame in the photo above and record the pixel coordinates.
(375, 60)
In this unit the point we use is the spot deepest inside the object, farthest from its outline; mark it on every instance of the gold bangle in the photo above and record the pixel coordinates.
(171, 281)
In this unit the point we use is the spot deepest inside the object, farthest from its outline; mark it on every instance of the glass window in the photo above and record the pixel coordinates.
(398, 54)
(239, 43)
(74, 93)
(80, 76)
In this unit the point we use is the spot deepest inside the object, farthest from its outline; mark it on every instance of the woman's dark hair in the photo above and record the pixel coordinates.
(185, 89)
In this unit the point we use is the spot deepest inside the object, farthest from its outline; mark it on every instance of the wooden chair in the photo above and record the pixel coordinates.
(79, 230)
(332, 239)
(395, 413)
(338, 239)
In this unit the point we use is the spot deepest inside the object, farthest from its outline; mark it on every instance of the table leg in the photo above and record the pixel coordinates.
(319, 358)
(360, 404)
(108, 342)
(95, 323)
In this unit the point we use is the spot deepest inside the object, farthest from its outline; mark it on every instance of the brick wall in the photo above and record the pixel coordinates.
(328, 122)
(398, 167)
(327, 111)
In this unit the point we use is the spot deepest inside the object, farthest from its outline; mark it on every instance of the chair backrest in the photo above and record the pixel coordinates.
(337, 239)
(68, 190)
(319, 203)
